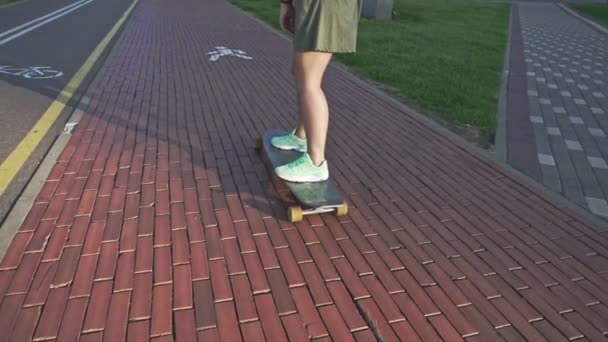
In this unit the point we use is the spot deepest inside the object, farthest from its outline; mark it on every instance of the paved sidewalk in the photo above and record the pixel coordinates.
(567, 101)
(160, 221)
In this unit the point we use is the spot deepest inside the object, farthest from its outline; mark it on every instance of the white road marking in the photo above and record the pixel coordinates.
(35, 72)
(34, 24)
(224, 51)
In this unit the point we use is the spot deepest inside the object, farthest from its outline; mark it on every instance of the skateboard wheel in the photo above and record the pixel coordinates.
(295, 214)
(258, 144)
(342, 210)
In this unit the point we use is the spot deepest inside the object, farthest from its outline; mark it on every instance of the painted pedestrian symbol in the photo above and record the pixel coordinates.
(224, 51)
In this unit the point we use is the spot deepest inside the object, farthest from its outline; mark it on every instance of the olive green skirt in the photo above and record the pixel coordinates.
(327, 25)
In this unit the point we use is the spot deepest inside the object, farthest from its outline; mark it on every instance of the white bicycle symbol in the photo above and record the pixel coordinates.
(30, 72)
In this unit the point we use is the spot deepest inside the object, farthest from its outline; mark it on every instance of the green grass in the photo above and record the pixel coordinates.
(4, 2)
(597, 11)
(444, 57)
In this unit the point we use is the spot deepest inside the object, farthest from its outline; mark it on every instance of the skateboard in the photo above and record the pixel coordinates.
(313, 197)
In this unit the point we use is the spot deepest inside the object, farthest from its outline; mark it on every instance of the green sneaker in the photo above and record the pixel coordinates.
(289, 142)
(303, 170)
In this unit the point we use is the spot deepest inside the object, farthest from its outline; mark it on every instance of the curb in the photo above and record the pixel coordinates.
(25, 200)
(599, 27)
(500, 140)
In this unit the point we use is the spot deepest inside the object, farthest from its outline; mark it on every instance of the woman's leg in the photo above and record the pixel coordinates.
(300, 130)
(309, 68)
(321, 27)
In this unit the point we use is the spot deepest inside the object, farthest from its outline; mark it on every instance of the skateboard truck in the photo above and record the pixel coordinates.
(295, 212)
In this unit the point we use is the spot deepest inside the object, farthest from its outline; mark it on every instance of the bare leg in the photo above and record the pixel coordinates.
(309, 68)
(300, 130)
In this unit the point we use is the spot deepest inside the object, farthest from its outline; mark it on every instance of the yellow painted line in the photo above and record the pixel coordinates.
(13, 163)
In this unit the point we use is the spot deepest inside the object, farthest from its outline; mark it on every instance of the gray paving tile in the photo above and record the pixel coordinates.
(564, 87)
(586, 176)
(540, 137)
(544, 101)
(567, 129)
(568, 180)
(598, 206)
(580, 101)
(599, 137)
(546, 159)
(550, 178)
(549, 116)
(536, 119)
(559, 110)
(602, 177)
(592, 102)
(532, 92)
(573, 145)
(596, 110)
(601, 102)
(587, 141)
(576, 120)
(553, 131)
(597, 162)
(597, 132)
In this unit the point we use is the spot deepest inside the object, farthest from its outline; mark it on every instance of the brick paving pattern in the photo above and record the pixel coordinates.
(160, 222)
(567, 77)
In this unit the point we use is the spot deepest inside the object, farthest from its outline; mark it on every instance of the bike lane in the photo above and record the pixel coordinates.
(35, 71)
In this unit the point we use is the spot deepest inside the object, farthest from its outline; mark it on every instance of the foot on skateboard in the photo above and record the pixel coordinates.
(315, 196)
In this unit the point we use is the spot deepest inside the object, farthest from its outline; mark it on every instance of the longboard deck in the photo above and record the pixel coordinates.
(315, 196)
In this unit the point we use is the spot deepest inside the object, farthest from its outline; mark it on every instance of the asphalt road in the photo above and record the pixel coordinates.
(61, 44)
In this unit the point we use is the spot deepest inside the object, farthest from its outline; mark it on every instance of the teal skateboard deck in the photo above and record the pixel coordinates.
(314, 197)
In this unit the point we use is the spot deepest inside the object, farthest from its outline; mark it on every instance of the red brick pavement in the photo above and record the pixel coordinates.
(159, 221)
